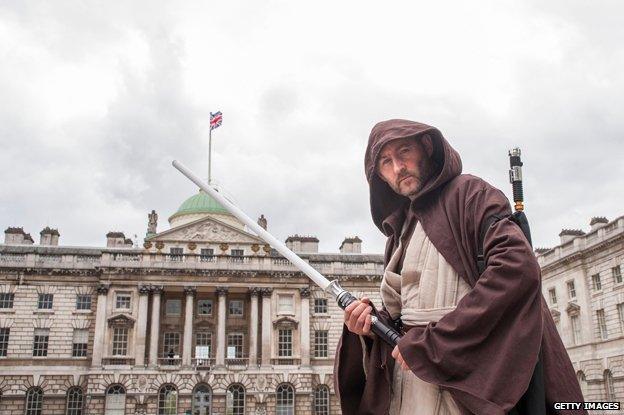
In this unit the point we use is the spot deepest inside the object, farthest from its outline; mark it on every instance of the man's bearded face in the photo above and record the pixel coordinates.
(406, 165)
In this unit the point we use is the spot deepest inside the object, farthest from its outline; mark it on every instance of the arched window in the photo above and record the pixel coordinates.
(75, 401)
(580, 376)
(321, 400)
(167, 400)
(608, 384)
(285, 400)
(202, 400)
(235, 400)
(115, 400)
(34, 402)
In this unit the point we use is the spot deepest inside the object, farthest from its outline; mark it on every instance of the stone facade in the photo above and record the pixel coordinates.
(583, 286)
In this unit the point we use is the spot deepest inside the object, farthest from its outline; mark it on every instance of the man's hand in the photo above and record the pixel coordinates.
(357, 317)
(397, 356)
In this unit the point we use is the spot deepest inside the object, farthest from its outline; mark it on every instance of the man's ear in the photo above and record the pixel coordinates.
(428, 144)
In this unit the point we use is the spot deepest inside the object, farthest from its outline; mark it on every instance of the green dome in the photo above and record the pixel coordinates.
(200, 203)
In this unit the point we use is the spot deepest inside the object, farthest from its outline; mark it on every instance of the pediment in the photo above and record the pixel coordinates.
(573, 308)
(285, 321)
(209, 230)
(120, 320)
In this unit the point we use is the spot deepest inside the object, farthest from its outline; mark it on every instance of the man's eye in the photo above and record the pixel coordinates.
(384, 162)
(404, 150)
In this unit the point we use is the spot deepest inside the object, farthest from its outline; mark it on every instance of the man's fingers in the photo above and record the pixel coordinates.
(367, 324)
(395, 351)
(355, 315)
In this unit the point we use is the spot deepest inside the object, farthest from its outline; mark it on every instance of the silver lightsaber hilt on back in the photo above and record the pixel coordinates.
(343, 297)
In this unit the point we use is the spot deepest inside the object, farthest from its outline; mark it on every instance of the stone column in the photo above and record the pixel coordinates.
(100, 326)
(222, 295)
(141, 327)
(253, 321)
(266, 326)
(305, 326)
(155, 327)
(188, 325)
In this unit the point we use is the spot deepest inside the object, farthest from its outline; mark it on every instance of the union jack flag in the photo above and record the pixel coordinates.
(215, 120)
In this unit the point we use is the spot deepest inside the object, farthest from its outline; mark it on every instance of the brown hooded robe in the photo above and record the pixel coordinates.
(484, 351)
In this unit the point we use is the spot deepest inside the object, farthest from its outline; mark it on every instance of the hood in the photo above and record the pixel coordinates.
(384, 202)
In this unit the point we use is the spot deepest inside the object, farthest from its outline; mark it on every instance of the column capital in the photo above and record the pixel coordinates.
(102, 289)
(255, 291)
(266, 292)
(190, 290)
(156, 289)
(304, 292)
(221, 291)
(144, 289)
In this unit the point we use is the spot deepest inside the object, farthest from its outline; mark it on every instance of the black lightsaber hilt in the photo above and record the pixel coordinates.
(344, 298)
(515, 178)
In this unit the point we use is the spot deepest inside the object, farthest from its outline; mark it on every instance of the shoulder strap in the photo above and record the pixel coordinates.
(484, 228)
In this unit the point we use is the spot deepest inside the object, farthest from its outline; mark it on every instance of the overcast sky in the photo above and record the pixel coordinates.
(97, 98)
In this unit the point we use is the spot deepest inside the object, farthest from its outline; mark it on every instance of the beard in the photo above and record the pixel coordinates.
(426, 170)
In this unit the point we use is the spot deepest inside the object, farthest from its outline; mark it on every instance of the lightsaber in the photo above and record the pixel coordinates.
(342, 296)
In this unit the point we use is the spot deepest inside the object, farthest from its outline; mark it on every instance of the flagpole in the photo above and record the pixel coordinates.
(209, 148)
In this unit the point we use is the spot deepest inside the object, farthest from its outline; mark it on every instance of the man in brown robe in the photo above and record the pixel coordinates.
(483, 351)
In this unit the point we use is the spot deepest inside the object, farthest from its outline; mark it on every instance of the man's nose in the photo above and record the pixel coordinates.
(398, 166)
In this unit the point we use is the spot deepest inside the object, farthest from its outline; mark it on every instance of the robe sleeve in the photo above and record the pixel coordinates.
(485, 350)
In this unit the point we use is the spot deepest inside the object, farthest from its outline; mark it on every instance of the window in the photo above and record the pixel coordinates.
(123, 300)
(237, 255)
(167, 400)
(40, 342)
(203, 345)
(608, 385)
(171, 345)
(83, 302)
(321, 400)
(4, 341)
(285, 304)
(620, 308)
(571, 290)
(75, 401)
(617, 274)
(285, 400)
(79, 345)
(235, 345)
(320, 306)
(204, 307)
(553, 296)
(602, 324)
(206, 255)
(175, 254)
(34, 402)
(235, 400)
(120, 341)
(6, 300)
(115, 400)
(236, 308)
(202, 400)
(173, 307)
(45, 301)
(576, 329)
(320, 343)
(284, 343)
(596, 282)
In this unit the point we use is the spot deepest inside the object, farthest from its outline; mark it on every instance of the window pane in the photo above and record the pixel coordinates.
(204, 307)
(285, 400)
(320, 343)
(122, 301)
(40, 342)
(116, 400)
(285, 304)
(235, 346)
(236, 307)
(4, 340)
(74, 401)
(120, 341)
(83, 302)
(617, 274)
(34, 401)
(284, 343)
(320, 305)
(207, 255)
(202, 400)
(321, 400)
(167, 400)
(171, 345)
(173, 307)
(45, 301)
(235, 400)
(6, 300)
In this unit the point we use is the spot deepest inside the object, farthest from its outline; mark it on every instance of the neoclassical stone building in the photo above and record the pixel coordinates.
(204, 318)
(584, 288)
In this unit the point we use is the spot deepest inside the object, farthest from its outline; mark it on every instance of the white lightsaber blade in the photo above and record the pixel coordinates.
(306, 268)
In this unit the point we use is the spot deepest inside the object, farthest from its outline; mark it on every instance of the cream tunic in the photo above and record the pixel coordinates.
(426, 289)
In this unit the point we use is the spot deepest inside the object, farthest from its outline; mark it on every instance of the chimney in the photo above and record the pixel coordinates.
(569, 234)
(115, 239)
(302, 244)
(49, 237)
(14, 236)
(128, 243)
(262, 222)
(598, 222)
(541, 251)
(351, 246)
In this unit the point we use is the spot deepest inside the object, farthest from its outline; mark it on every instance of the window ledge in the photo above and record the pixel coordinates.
(322, 315)
(82, 312)
(43, 311)
(7, 311)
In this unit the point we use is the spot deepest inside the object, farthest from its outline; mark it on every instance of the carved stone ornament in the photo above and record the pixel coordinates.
(190, 290)
(147, 244)
(254, 291)
(304, 292)
(221, 291)
(266, 292)
(102, 289)
(255, 248)
(267, 248)
(160, 245)
(144, 289)
(224, 247)
(192, 246)
(156, 289)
